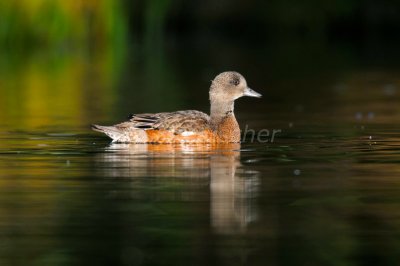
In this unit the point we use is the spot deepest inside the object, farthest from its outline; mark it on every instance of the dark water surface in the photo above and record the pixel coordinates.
(325, 192)
(324, 198)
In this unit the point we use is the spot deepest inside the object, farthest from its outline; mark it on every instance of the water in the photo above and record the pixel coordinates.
(323, 198)
(324, 192)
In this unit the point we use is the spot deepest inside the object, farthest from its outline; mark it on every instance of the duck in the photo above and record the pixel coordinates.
(188, 126)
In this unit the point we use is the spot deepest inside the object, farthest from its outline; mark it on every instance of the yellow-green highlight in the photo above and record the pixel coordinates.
(60, 61)
(26, 23)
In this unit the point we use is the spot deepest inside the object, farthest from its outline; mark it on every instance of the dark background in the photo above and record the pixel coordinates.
(86, 61)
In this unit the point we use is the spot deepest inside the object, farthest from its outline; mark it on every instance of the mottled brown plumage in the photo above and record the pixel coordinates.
(175, 122)
(188, 126)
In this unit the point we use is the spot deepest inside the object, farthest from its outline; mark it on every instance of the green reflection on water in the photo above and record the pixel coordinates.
(51, 90)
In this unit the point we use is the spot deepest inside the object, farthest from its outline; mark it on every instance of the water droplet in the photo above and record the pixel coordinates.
(252, 160)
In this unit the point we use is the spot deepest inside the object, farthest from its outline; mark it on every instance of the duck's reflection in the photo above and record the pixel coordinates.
(232, 192)
(232, 188)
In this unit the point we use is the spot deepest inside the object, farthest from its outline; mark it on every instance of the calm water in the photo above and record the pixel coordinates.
(325, 192)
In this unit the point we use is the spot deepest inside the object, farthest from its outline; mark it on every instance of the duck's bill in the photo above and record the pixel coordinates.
(251, 93)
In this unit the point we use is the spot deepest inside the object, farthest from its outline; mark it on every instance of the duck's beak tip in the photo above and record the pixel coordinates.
(251, 93)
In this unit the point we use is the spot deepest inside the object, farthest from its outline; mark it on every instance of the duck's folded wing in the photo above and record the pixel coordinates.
(176, 122)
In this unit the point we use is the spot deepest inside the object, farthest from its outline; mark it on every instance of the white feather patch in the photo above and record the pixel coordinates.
(187, 133)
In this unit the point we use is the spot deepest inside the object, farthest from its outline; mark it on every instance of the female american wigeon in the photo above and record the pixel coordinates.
(188, 126)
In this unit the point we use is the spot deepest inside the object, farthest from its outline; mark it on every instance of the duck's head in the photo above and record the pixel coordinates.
(229, 86)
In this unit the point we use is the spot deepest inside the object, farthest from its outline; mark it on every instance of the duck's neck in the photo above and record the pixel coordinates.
(223, 121)
(220, 110)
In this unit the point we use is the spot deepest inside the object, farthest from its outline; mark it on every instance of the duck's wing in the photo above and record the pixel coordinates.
(176, 122)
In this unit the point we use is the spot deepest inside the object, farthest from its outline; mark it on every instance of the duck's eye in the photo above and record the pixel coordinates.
(235, 81)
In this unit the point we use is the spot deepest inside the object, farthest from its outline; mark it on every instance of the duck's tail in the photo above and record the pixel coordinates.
(113, 132)
(118, 134)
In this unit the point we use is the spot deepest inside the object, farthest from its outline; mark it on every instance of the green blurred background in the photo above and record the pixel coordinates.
(71, 63)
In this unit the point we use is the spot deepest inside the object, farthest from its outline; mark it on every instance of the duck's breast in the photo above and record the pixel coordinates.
(228, 129)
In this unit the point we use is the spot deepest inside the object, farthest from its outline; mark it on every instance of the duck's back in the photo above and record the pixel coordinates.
(175, 122)
(189, 126)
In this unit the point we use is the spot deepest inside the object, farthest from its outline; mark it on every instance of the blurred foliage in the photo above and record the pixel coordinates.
(60, 60)
(50, 23)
